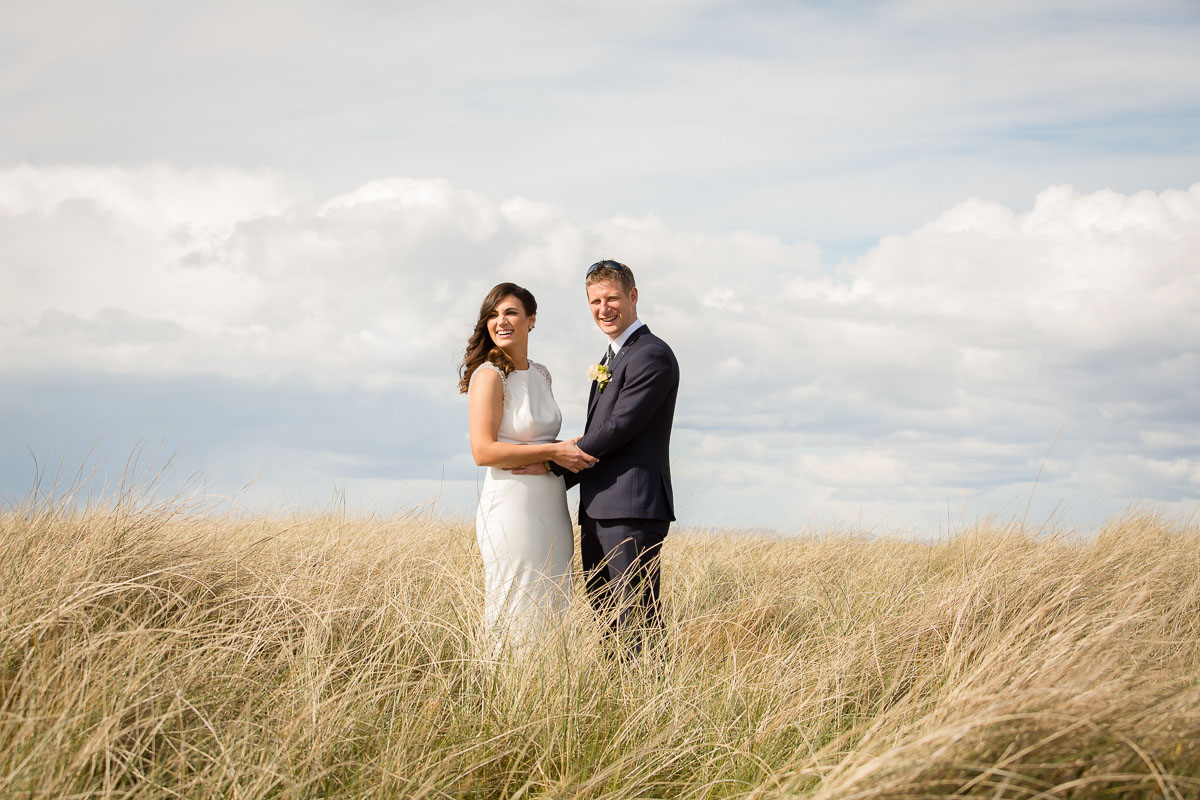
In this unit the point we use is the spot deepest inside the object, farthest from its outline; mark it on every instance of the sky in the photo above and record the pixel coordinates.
(923, 263)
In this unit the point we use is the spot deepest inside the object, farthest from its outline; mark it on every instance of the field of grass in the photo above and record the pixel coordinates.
(158, 652)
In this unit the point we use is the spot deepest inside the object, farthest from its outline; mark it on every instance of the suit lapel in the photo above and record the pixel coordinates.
(593, 395)
(629, 343)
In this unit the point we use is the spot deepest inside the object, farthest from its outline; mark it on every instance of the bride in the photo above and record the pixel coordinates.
(523, 527)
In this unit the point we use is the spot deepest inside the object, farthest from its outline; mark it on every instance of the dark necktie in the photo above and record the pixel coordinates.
(608, 357)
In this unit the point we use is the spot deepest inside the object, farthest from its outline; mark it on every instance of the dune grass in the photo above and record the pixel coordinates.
(156, 652)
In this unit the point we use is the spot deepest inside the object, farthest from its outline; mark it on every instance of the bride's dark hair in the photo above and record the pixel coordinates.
(480, 347)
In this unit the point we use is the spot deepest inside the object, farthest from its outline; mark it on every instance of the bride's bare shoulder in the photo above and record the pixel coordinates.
(490, 379)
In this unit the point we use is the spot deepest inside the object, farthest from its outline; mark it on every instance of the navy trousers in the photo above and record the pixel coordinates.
(620, 564)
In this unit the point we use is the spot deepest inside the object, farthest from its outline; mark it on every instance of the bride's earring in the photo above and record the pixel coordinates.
(531, 327)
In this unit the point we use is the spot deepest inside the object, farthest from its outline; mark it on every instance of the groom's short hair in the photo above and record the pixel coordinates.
(608, 270)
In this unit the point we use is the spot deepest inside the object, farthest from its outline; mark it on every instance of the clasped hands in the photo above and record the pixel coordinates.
(566, 454)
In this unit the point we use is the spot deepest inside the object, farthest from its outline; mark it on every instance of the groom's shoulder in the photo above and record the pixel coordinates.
(655, 341)
(655, 348)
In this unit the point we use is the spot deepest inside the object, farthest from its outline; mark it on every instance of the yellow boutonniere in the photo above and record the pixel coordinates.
(601, 374)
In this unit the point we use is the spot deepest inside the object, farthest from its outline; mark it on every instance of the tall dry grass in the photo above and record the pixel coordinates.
(155, 652)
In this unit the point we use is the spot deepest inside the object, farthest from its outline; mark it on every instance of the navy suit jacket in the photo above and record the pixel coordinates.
(629, 430)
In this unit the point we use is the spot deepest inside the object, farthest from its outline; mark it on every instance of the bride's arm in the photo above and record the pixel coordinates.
(485, 403)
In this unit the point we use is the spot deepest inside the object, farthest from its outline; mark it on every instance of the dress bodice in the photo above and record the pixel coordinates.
(530, 414)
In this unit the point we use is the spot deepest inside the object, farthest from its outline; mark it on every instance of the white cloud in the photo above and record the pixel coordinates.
(942, 361)
(863, 468)
(835, 122)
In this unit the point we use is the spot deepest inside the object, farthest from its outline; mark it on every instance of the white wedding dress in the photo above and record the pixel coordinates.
(522, 525)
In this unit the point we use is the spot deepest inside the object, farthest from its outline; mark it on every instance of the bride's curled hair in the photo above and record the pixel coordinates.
(480, 347)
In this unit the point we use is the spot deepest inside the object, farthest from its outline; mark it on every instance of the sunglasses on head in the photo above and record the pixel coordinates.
(617, 265)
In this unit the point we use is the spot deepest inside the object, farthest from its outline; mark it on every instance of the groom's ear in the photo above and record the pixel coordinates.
(633, 295)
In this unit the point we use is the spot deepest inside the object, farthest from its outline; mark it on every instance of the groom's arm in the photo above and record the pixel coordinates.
(648, 382)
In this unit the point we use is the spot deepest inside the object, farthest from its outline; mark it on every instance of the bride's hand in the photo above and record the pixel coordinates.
(568, 456)
(531, 469)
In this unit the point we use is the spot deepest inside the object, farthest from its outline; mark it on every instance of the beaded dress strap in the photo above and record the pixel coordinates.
(545, 373)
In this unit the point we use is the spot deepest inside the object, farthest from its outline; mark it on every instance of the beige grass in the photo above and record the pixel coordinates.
(153, 652)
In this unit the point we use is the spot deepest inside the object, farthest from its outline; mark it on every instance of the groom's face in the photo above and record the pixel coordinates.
(612, 309)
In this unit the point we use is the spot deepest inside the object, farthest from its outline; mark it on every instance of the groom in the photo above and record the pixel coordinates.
(625, 500)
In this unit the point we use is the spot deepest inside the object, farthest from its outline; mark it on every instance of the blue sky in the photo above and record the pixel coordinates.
(912, 255)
